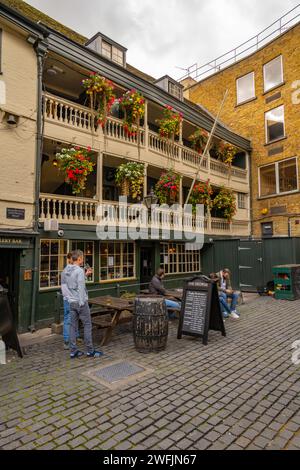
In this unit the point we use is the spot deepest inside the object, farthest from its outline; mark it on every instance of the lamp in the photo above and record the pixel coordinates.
(150, 199)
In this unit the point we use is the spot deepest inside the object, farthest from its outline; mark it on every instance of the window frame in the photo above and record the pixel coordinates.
(69, 244)
(254, 88)
(266, 90)
(60, 241)
(112, 55)
(122, 243)
(92, 281)
(177, 263)
(266, 125)
(276, 164)
(110, 46)
(242, 205)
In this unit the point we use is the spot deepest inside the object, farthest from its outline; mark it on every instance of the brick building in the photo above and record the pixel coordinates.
(263, 104)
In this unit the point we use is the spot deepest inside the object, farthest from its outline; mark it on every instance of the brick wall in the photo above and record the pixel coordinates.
(248, 120)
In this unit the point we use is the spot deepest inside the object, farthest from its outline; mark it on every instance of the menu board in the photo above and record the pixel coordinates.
(200, 310)
(195, 312)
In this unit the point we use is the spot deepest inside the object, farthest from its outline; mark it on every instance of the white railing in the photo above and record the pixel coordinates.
(70, 210)
(279, 26)
(115, 130)
(160, 145)
(67, 209)
(192, 157)
(68, 113)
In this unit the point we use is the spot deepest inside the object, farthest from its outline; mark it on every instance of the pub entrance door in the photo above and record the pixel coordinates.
(147, 266)
(9, 276)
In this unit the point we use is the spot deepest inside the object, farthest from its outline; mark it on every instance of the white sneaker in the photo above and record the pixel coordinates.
(234, 316)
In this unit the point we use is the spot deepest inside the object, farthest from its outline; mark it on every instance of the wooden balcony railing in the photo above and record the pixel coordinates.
(76, 116)
(68, 210)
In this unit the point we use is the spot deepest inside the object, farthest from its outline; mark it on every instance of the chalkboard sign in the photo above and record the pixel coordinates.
(200, 310)
(7, 327)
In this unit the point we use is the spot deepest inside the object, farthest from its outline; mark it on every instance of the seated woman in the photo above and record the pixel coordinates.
(156, 287)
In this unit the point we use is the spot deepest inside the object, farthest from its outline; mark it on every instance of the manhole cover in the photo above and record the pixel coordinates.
(117, 373)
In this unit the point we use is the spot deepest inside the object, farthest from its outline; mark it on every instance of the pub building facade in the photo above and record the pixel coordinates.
(45, 110)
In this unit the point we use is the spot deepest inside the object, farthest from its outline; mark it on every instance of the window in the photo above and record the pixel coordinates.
(175, 259)
(117, 55)
(88, 250)
(52, 262)
(274, 121)
(117, 260)
(106, 50)
(175, 90)
(245, 88)
(279, 178)
(242, 201)
(273, 73)
(287, 173)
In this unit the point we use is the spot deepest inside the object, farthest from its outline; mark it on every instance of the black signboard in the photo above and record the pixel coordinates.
(16, 214)
(7, 327)
(200, 310)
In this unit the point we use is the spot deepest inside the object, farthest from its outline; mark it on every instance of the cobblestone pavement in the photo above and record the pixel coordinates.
(239, 392)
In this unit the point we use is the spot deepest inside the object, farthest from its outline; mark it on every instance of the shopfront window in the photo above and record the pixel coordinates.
(117, 260)
(175, 259)
(88, 250)
(52, 262)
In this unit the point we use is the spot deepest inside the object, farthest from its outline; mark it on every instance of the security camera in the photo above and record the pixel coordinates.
(60, 233)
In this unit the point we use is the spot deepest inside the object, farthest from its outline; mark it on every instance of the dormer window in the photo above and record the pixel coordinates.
(171, 86)
(175, 90)
(108, 49)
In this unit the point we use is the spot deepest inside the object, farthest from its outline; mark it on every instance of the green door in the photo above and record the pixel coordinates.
(251, 265)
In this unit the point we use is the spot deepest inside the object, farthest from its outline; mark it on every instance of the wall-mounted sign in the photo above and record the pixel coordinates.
(15, 214)
(11, 242)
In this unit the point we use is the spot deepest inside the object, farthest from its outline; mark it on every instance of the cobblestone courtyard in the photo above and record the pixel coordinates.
(239, 392)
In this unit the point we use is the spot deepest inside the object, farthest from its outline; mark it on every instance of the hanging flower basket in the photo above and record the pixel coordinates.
(130, 178)
(226, 152)
(199, 140)
(133, 105)
(202, 194)
(226, 202)
(169, 126)
(167, 187)
(77, 165)
(101, 96)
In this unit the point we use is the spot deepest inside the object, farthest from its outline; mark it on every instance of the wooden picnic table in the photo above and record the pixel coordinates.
(171, 294)
(114, 307)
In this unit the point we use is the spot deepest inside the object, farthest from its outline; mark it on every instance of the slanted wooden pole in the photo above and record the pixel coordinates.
(207, 146)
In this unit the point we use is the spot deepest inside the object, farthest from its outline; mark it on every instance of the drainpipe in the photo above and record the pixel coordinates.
(40, 47)
(249, 165)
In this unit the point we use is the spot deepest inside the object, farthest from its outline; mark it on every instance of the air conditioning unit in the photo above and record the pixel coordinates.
(51, 225)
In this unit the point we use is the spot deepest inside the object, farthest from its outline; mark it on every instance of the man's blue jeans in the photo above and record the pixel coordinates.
(172, 304)
(234, 299)
(225, 309)
(66, 330)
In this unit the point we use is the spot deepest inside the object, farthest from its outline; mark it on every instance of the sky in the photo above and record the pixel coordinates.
(162, 35)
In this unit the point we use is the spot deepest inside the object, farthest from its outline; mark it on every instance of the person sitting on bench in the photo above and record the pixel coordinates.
(156, 287)
(226, 292)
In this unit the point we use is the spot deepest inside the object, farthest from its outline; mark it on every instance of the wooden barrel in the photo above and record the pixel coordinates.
(150, 324)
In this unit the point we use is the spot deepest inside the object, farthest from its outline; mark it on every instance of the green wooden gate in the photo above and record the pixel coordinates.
(251, 268)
